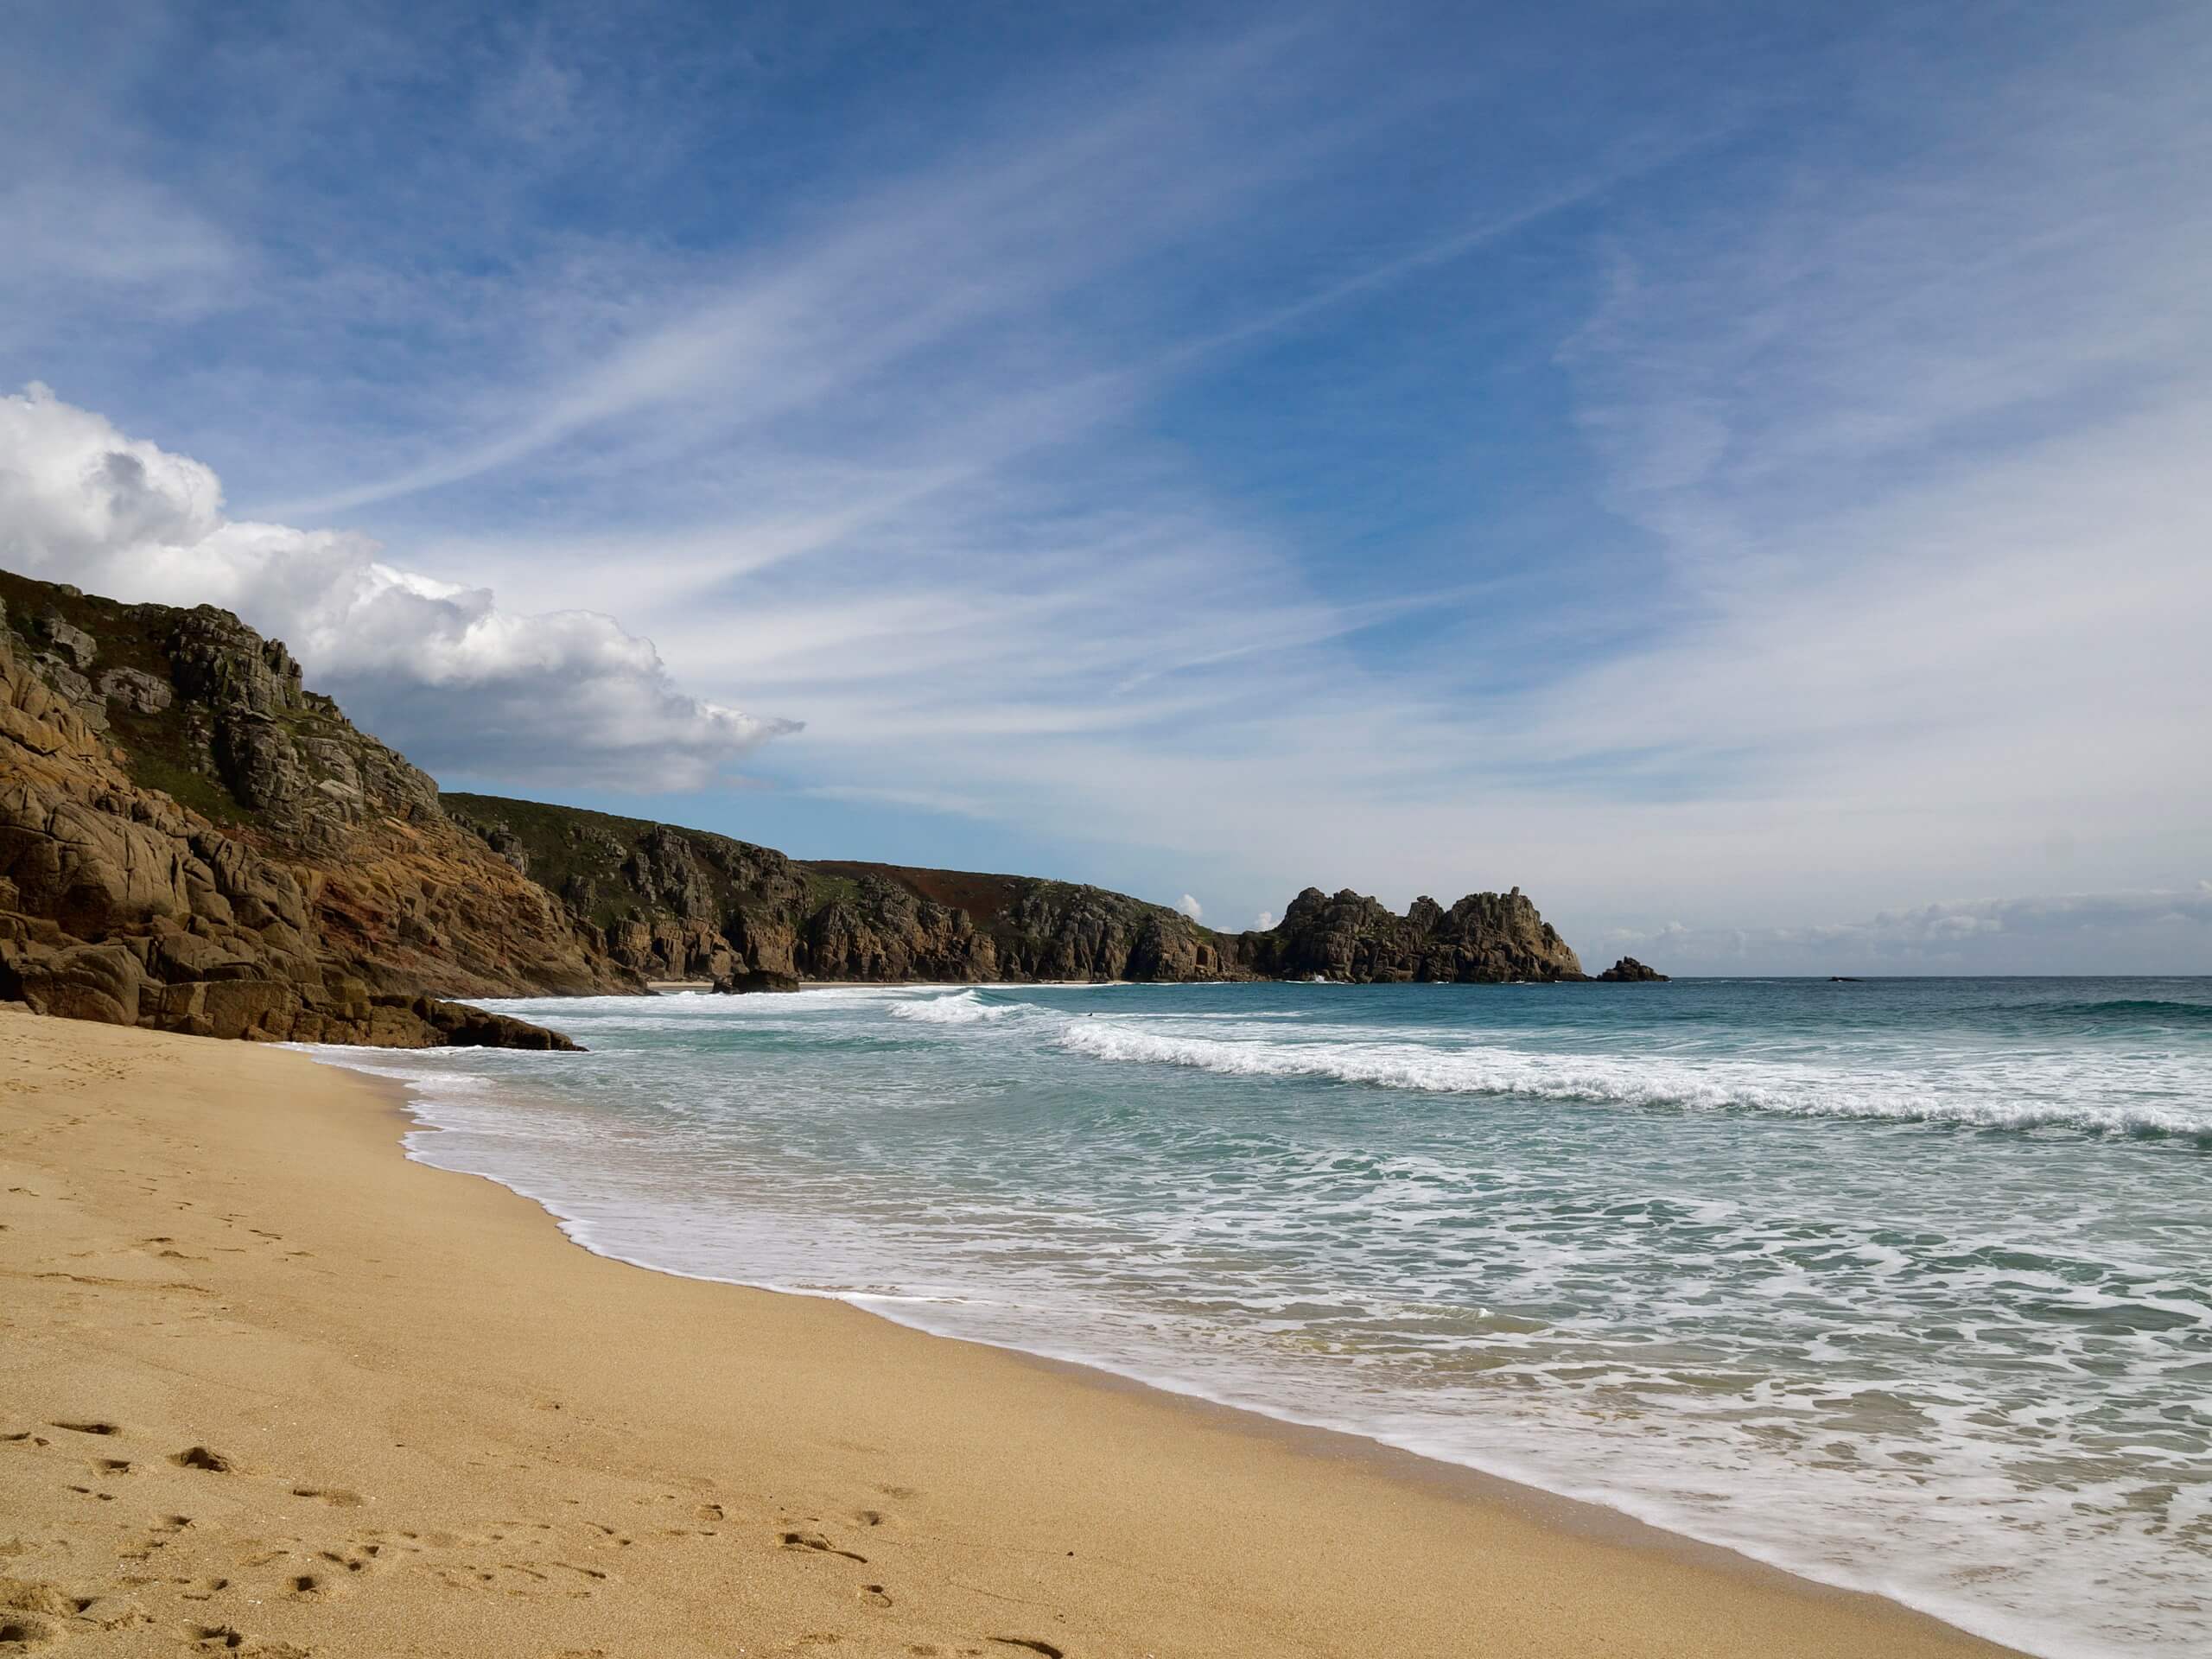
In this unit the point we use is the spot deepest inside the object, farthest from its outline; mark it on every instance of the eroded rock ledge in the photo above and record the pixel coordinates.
(316, 892)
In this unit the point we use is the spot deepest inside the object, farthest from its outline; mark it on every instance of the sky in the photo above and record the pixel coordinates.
(1735, 472)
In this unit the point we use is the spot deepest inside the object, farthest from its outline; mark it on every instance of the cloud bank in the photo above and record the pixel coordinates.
(2109, 933)
(438, 669)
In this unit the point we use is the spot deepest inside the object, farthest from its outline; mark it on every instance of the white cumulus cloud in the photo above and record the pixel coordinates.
(440, 671)
(1263, 921)
(1190, 907)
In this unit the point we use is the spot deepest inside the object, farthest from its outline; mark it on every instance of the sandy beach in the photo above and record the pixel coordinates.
(267, 1387)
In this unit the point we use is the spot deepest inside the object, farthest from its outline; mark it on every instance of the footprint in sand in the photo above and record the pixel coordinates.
(336, 1497)
(30, 1608)
(814, 1541)
(199, 1457)
(362, 1558)
(25, 1630)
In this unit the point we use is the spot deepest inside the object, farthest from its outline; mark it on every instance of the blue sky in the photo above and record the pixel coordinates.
(1729, 470)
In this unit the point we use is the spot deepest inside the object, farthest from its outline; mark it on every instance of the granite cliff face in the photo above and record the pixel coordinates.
(682, 904)
(190, 839)
(1486, 938)
(668, 903)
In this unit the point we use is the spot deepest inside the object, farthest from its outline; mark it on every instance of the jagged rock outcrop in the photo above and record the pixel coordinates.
(1486, 937)
(683, 904)
(1629, 969)
(190, 840)
(753, 980)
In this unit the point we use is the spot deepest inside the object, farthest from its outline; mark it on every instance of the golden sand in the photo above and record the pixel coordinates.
(267, 1387)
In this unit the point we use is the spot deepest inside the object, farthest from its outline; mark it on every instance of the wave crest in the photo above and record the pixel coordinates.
(961, 1008)
(1777, 1087)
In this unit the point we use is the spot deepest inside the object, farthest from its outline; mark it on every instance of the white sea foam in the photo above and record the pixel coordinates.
(962, 1008)
(1964, 1370)
(2028, 1096)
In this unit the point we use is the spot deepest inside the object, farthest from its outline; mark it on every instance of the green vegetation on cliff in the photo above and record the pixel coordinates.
(673, 903)
(190, 840)
(678, 904)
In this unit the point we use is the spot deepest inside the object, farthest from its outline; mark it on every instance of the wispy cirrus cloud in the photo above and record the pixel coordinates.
(1280, 455)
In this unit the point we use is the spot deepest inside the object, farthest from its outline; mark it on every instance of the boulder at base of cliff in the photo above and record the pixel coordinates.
(84, 982)
(1628, 969)
(456, 1025)
(754, 979)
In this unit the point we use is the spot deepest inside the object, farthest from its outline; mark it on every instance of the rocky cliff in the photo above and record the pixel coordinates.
(1486, 937)
(190, 839)
(683, 904)
(670, 903)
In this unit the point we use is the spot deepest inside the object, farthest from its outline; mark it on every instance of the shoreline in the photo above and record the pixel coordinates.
(1220, 1530)
(1598, 1516)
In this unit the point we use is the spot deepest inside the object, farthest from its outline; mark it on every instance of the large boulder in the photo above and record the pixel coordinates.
(84, 982)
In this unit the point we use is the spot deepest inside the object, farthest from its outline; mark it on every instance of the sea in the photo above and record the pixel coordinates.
(1905, 1285)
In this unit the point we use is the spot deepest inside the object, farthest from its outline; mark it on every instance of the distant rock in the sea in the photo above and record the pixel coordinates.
(1486, 937)
(753, 980)
(1628, 969)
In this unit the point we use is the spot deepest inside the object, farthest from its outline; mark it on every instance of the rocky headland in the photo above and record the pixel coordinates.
(668, 903)
(192, 840)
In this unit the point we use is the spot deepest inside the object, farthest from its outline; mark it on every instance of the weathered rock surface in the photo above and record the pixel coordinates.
(1486, 937)
(668, 903)
(754, 980)
(1628, 969)
(191, 841)
(683, 904)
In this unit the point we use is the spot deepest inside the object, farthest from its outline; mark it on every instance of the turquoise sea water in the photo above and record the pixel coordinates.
(1906, 1285)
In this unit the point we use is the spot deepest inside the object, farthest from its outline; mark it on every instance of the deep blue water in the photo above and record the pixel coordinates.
(1904, 1284)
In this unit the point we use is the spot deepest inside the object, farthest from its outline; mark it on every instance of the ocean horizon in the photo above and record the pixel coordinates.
(1892, 1283)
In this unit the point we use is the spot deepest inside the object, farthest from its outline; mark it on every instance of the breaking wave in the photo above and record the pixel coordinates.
(2024, 1099)
(962, 1008)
